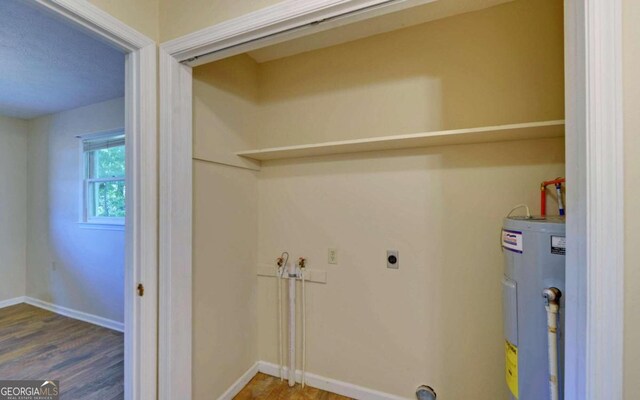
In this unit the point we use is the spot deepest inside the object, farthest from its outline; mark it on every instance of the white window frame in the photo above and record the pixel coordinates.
(86, 220)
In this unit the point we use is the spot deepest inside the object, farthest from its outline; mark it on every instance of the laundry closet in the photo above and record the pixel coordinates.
(414, 132)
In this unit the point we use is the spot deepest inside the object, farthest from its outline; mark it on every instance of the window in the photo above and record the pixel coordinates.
(104, 179)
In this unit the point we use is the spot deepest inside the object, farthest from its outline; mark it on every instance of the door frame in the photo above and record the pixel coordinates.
(141, 228)
(595, 227)
(594, 143)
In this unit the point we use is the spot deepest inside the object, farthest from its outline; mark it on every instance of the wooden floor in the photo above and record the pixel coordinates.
(267, 387)
(88, 360)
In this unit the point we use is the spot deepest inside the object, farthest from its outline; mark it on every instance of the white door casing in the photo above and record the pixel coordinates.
(595, 235)
(595, 266)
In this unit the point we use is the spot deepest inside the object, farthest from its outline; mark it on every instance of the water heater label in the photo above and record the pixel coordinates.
(559, 245)
(512, 241)
(511, 367)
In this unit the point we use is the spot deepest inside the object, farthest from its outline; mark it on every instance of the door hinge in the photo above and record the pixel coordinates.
(140, 289)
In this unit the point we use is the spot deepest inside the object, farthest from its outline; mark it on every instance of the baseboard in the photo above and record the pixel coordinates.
(12, 302)
(240, 383)
(329, 385)
(75, 314)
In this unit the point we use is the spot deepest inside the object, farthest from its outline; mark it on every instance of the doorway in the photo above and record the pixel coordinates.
(100, 202)
(593, 146)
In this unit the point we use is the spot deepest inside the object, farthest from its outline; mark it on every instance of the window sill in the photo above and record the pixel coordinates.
(101, 226)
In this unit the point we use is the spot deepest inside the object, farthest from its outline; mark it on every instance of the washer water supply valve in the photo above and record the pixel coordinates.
(425, 392)
(282, 260)
(543, 195)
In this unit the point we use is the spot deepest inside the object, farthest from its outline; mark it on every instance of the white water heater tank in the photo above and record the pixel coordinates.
(534, 254)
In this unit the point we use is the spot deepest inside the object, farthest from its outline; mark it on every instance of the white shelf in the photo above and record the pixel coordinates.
(486, 134)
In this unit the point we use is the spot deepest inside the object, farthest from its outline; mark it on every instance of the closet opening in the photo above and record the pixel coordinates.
(386, 153)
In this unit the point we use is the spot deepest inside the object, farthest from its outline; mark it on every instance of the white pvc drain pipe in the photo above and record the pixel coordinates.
(280, 270)
(552, 297)
(301, 264)
(292, 324)
(293, 273)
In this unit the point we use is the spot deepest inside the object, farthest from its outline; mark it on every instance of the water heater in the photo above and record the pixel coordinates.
(534, 253)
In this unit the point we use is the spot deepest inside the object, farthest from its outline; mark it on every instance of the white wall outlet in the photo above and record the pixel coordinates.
(332, 256)
(53, 266)
(393, 259)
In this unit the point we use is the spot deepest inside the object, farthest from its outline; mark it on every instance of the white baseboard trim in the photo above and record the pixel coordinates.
(12, 302)
(240, 383)
(329, 385)
(75, 314)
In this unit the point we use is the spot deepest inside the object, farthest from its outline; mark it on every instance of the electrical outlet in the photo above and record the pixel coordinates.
(332, 256)
(53, 266)
(393, 259)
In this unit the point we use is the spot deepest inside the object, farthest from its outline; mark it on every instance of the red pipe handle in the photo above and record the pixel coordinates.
(543, 194)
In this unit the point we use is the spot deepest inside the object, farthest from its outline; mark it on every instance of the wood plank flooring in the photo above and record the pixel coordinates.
(88, 360)
(265, 387)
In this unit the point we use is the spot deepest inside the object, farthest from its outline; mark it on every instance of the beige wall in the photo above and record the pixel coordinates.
(490, 67)
(163, 20)
(631, 48)
(13, 207)
(225, 110)
(178, 19)
(437, 320)
(224, 283)
(142, 15)
(225, 227)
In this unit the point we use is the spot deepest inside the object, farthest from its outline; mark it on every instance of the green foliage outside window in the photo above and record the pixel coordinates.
(106, 183)
(110, 162)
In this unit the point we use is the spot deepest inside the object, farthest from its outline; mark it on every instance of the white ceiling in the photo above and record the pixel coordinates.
(47, 66)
